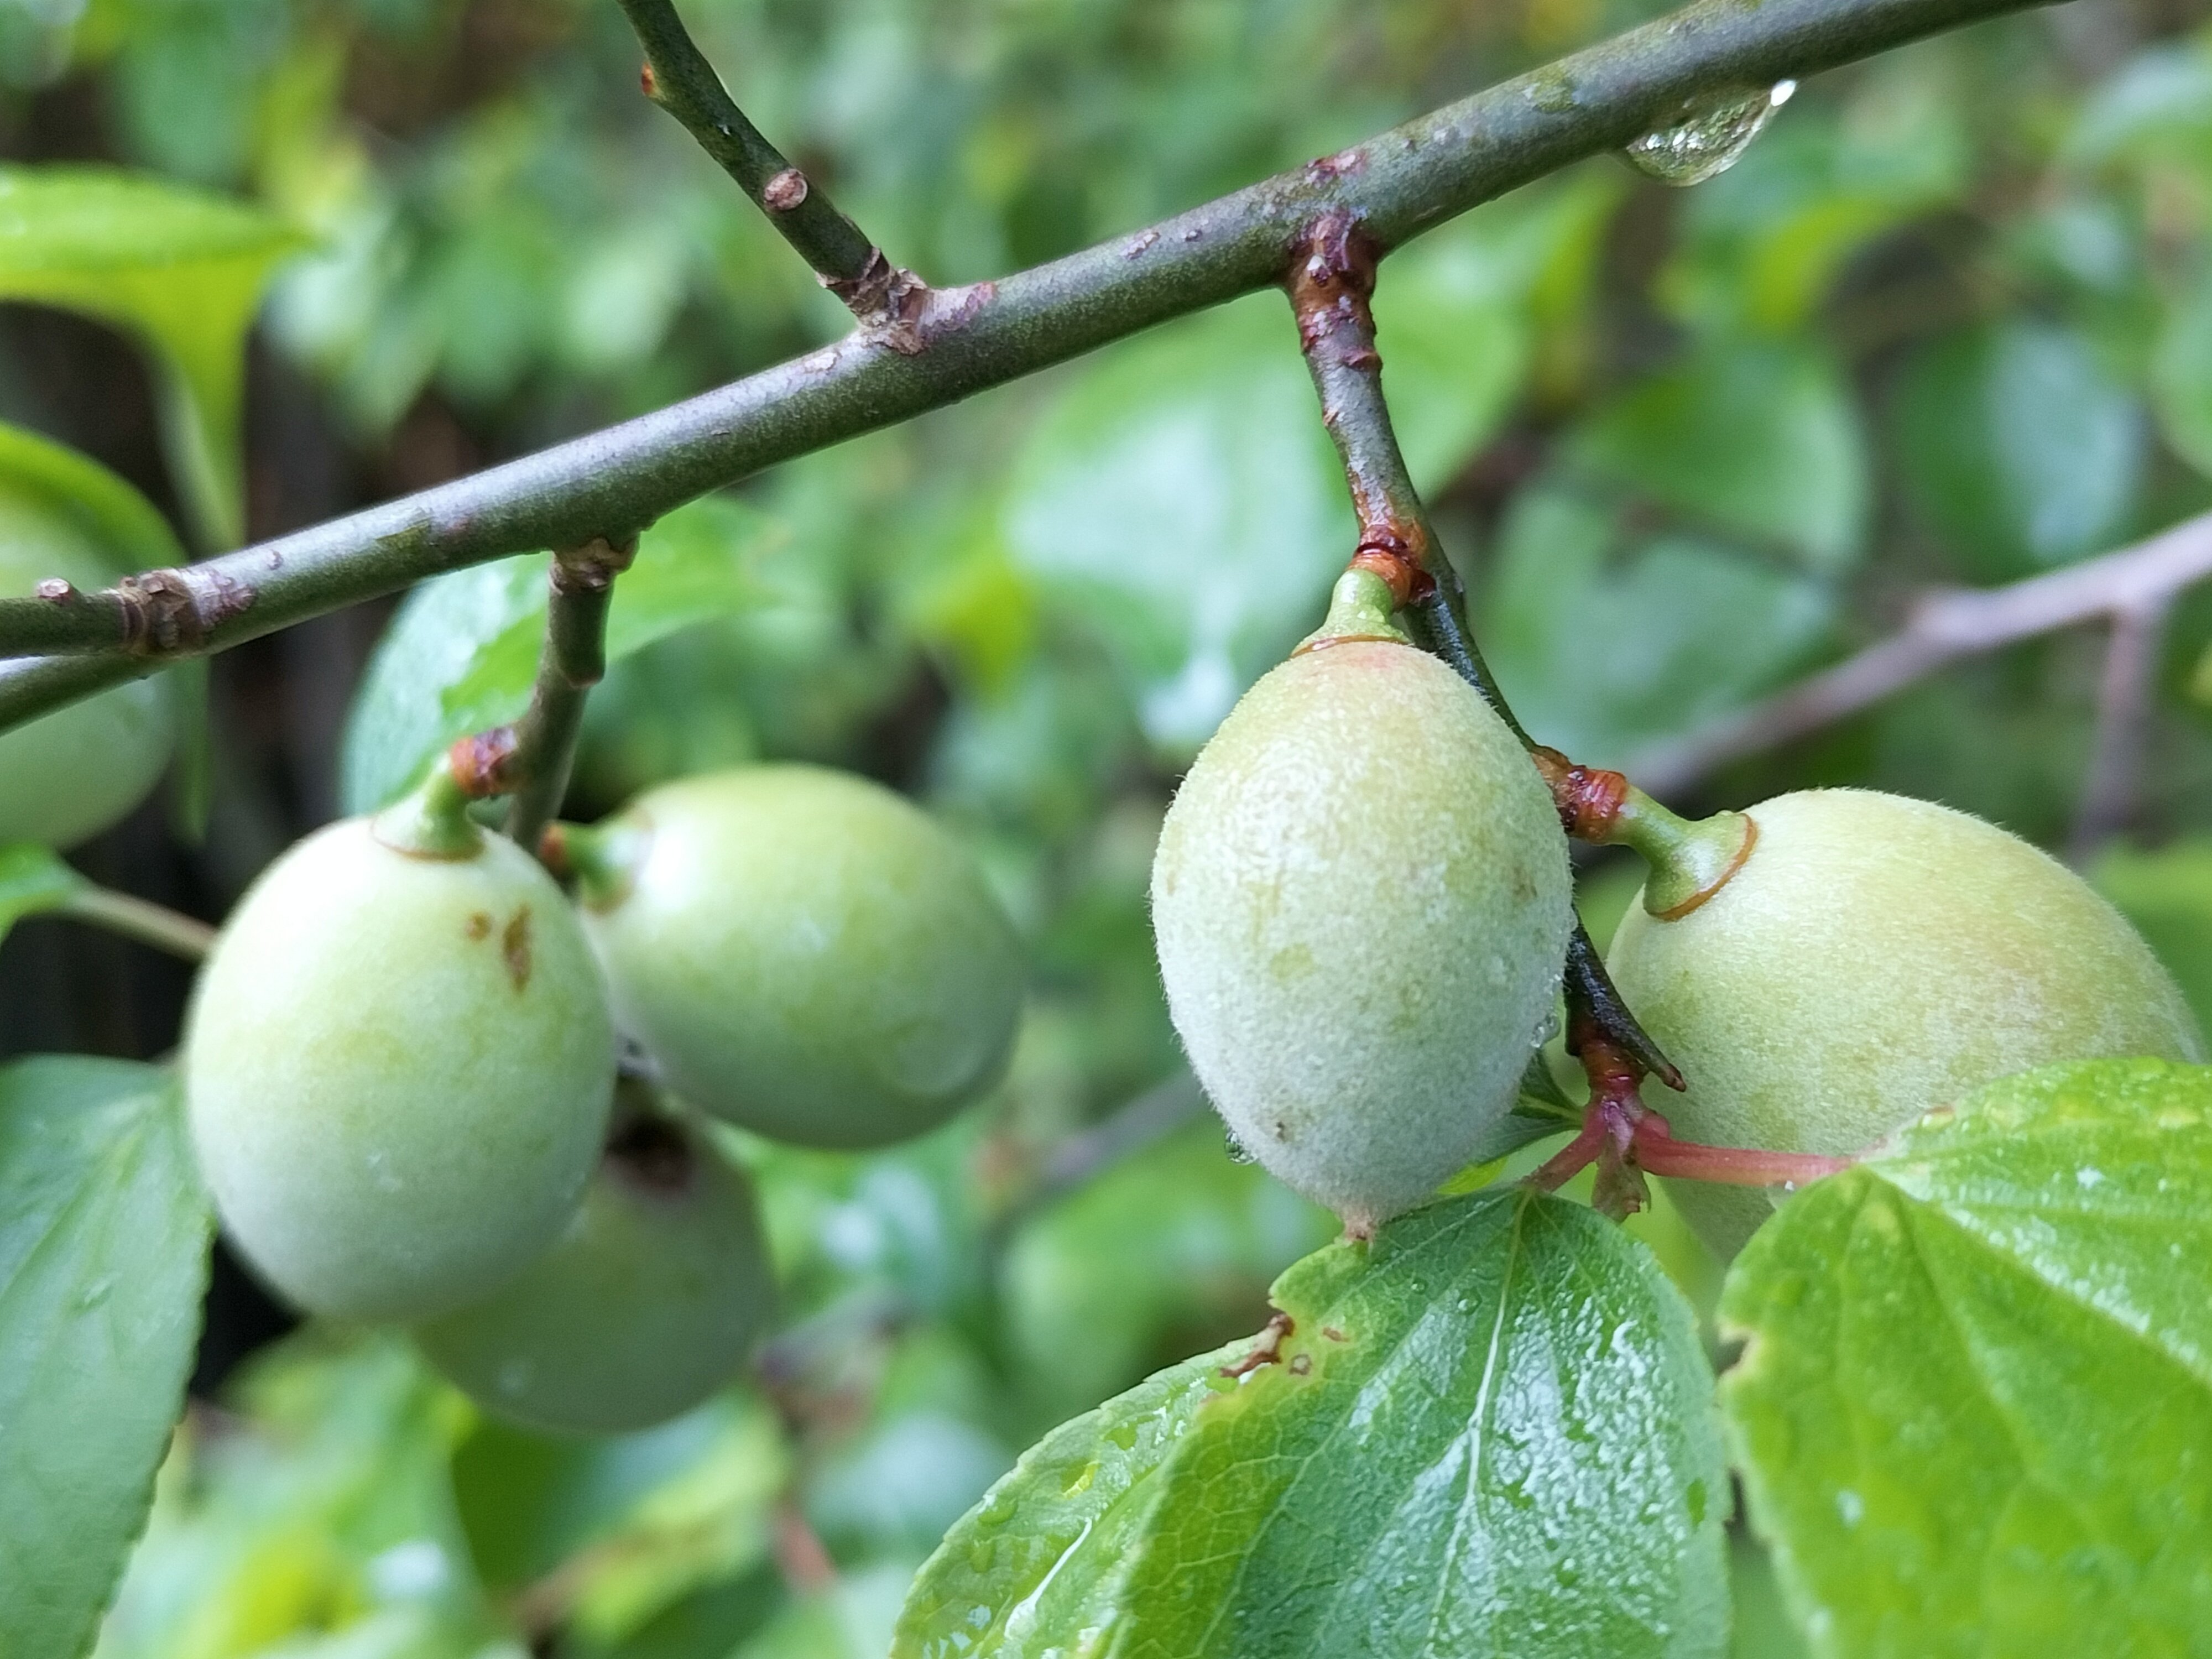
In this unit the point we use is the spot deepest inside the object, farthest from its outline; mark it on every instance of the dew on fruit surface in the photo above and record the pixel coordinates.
(1238, 1152)
(1850, 1507)
(1708, 141)
(94, 1293)
(1546, 1029)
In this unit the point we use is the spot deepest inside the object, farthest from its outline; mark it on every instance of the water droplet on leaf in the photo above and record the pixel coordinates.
(1708, 141)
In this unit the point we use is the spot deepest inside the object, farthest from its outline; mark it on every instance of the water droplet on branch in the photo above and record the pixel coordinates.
(1707, 141)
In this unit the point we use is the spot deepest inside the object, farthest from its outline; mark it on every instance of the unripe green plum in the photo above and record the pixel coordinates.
(1362, 902)
(397, 1068)
(649, 1302)
(1874, 958)
(71, 774)
(803, 952)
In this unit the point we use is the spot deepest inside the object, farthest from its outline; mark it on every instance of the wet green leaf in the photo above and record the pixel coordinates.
(1975, 1412)
(462, 654)
(179, 269)
(1039, 1567)
(2018, 449)
(103, 1257)
(1491, 1429)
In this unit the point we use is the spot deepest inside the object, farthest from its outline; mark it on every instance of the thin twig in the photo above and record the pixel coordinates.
(573, 659)
(614, 482)
(678, 78)
(139, 919)
(1331, 285)
(2124, 707)
(1944, 629)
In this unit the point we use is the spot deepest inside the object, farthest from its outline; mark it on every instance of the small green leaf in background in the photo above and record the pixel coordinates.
(1179, 500)
(33, 879)
(2017, 447)
(103, 1259)
(1038, 1568)
(2181, 374)
(1692, 628)
(1757, 439)
(2167, 895)
(313, 1515)
(181, 268)
(1974, 1416)
(461, 654)
(1178, 1242)
(1490, 1429)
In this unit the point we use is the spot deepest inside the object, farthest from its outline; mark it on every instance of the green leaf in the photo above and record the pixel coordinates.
(1974, 1415)
(1491, 1429)
(103, 1258)
(1761, 440)
(1180, 501)
(180, 269)
(2017, 447)
(33, 879)
(2167, 895)
(462, 654)
(2181, 375)
(1693, 627)
(1178, 1242)
(1039, 1567)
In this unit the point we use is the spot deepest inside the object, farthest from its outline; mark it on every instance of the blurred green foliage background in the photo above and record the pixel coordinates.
(1949, 321)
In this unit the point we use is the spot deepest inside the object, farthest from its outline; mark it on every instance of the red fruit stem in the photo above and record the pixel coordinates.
(1627, 1140)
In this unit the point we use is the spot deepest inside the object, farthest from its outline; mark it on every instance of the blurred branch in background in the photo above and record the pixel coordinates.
(613, 483)
(2132, 587)
(2125, 698)
(678, 78)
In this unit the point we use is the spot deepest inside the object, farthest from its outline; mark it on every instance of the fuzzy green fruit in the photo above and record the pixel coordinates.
(398, 1069)
(1362, 902)
(803, 952)
(67, 775)
(646, 1305)
(1874, 958)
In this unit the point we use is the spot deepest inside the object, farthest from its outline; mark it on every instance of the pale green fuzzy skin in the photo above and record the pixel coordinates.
(67, 775)
(806, 954)
(648, 1302)
(1362, 902)
(1875, 959)
(396, 1107)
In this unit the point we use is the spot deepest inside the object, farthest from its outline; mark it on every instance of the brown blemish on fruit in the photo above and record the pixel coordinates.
(1333, 1334)
(1301, 1364)
(514, 945)
(1266, 1349)
(478, 926)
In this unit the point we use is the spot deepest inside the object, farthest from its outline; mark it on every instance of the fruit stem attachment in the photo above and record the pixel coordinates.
(1690, 859)
(601, 859)
(1627, 1140)
(432, 821)
(1331, 283)
(1359, 608)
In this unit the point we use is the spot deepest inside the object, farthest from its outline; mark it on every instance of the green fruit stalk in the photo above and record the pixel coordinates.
(803, 952)
(397, 1065)
(1362, 902)
(649, 1301)
(67, 775)
(1875, 957)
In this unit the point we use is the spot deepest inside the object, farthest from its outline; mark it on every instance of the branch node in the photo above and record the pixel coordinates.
(1588, 797)
(481, 763)
(784, 192)
(172, 612)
